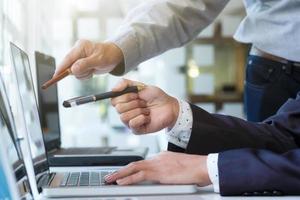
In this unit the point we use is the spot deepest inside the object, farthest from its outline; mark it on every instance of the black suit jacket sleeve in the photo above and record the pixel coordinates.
(259, 172)
(272, 163)
(215, 133)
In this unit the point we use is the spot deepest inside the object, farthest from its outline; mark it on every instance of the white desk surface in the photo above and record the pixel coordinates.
(205, 193)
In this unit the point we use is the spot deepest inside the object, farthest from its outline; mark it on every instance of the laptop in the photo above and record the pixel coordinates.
(11, 155)
(78, 182)
(49, 116)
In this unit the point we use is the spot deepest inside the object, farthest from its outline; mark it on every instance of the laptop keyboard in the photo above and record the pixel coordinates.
(84, 179)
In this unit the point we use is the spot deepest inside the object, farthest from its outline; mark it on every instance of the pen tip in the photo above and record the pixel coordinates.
(66, 104)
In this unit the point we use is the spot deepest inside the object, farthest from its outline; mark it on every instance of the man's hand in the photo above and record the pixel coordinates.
(166, 168)
(148, 111)
(87, 58)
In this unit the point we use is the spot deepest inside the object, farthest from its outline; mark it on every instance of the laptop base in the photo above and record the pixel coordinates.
(94, 157)
(115, 190)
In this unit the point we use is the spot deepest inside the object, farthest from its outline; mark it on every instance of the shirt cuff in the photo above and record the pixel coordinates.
(213, 172)
(180, 133)
(128, 44)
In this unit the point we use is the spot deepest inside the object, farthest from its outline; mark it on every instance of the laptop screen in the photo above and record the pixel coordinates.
(48, 101)
(15, 159)
(6, 111)
(29, 111)
(9, 137)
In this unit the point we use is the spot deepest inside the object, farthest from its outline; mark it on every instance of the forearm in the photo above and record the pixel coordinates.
(159, 25)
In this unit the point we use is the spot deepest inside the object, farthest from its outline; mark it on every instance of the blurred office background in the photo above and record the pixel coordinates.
(209, 71)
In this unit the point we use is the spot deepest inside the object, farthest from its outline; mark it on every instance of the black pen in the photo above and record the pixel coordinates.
(92, 98)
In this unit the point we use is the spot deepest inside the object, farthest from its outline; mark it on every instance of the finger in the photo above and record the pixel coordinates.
(125, 98)
(84, 65)
(124, 107)
(132, 179)
(88, 73)
(131, 168)
(124, 83)
(86, 77)
(139, 121)
(75, 54)
(140, 130)
(128, 116)
(104, 69)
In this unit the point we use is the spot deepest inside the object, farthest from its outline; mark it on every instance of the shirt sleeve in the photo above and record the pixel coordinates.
(213, 172)
(180, 133)
(158, 25)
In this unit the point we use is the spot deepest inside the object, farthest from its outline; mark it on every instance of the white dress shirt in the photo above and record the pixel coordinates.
(180, 135)
(158, 25)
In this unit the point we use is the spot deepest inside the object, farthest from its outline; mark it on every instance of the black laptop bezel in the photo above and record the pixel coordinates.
(43, 59)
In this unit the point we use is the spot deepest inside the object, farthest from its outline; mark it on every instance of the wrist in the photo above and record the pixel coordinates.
(202, 171)
(113, 55)
(175, 111)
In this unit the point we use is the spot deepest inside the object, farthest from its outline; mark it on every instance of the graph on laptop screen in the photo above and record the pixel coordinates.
(29, 108)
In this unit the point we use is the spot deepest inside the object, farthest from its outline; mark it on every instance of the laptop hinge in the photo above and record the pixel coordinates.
(44, 180)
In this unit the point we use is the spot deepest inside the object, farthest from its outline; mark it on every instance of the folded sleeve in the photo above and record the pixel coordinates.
(180, 133)
(213, 171)
(158, 25)
(259, 172)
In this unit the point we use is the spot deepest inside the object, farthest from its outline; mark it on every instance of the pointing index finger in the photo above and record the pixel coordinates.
(70, 58)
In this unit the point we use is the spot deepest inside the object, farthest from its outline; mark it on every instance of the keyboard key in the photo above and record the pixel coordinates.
(84, 179)
(65, 179)
(94, 179)
(73, 179)
(103, 174)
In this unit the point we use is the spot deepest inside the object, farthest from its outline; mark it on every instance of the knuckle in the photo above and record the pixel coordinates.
(130, 179)
(132, 96)
(140, 111)
(124, 118)
(143, 117)
(118, 108)
(132, 165)
(145, 111)
(142, 175)
(132, 124)
(113, 102)
(135, 103)
(142, 103)
(81, 42)
(81, 64)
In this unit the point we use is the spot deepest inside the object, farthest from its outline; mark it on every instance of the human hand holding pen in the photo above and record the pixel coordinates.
(87, 58)
(148, 111)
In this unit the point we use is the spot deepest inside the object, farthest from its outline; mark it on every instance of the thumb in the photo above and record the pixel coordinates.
(124, 83)
(83, 66)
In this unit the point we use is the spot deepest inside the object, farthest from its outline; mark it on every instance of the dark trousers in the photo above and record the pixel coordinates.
(268, 85)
